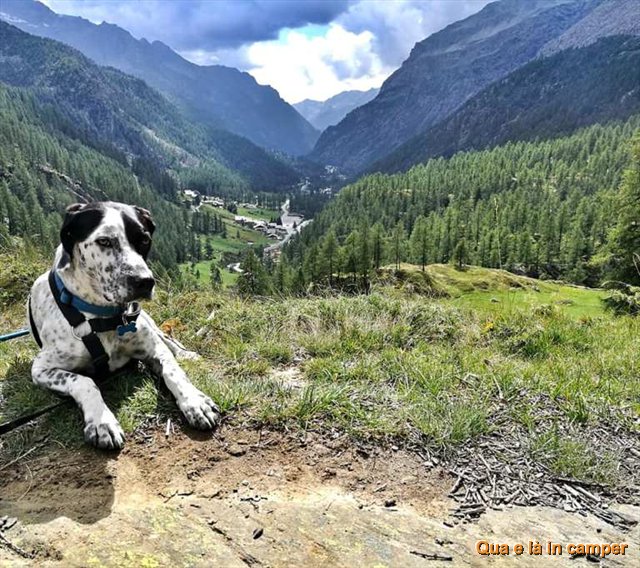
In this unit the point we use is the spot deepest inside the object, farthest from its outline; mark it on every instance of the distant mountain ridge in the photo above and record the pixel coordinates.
(451, 66)
(323, 114)
(108, 109)
(219, 96)
(543, 99)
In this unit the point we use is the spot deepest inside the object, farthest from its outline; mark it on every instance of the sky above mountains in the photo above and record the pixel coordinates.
(305, 49)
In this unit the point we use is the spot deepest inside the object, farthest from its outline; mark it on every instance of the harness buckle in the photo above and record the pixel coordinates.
(132, 312)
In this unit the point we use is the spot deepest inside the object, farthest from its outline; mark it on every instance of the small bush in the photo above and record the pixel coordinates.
(624, 301)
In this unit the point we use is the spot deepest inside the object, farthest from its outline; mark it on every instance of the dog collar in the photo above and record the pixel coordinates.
(69, 299)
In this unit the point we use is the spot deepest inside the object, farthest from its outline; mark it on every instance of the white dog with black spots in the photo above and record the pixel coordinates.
(102, 261)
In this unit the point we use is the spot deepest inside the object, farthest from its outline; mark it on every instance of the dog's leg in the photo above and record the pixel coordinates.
(179, 351)
(199, 410)
(101, 429)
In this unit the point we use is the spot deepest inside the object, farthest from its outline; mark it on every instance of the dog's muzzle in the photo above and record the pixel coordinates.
(141, 288)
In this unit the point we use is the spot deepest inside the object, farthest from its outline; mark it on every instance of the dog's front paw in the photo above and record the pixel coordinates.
(185, 355)
(104, 432)
(199, 410)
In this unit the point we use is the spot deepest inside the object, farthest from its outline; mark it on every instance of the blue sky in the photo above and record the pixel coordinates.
(303, 48)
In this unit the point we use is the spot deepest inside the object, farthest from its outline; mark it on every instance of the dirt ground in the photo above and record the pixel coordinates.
(248, 498)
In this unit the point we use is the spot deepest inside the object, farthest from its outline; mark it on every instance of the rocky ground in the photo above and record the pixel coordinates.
(259, 498)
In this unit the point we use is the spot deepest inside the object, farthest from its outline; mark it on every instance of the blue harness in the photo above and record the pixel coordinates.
(110, 318)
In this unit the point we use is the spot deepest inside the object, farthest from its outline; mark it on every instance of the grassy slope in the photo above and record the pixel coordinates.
(499, 291)
(394, 365)
(259, 213)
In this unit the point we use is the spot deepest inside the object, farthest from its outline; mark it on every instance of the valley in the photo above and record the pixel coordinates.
(250, 226)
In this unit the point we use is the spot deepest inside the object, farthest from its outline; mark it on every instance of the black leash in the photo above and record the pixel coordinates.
(26, 418)
(7, 427)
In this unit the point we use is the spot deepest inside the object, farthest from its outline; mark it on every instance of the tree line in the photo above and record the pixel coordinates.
(546, 208)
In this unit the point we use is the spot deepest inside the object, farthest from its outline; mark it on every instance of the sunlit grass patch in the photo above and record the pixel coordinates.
(575, 458)
(393, 365)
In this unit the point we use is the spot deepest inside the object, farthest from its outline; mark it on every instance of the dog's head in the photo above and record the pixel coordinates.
(107, 244)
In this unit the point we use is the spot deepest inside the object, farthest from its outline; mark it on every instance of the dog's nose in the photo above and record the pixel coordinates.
(142, 287)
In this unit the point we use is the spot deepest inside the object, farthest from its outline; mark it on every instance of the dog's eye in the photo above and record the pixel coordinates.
(104, 242)
(145, 240)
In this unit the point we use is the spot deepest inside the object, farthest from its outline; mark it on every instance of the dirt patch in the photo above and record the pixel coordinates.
(290, 377)
(270, 461)
(255, 498)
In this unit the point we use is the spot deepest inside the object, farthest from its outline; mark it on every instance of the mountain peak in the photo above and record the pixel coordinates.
(221, 97)
(323, 114)
(445, 70)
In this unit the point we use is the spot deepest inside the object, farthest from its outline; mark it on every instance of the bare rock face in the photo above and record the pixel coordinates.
(451, 66)
(547, 97)
(616, 17)
(182, 502)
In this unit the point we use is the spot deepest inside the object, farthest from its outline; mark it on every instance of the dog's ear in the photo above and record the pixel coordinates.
(79, 222)
(75, 207)
(144, 216)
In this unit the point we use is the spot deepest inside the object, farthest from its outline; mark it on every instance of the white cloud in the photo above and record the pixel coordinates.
(302, 67)
(354, 44)
(359, 50)
(398, 24)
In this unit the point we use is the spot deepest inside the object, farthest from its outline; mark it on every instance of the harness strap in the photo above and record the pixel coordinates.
(32, 323)
(99, 357)
(73, 316)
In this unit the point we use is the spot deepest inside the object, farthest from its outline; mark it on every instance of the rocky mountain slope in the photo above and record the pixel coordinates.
(220, 96)
(322, 114)
(444, 71)
(106, 108)
(614, 17)
(545, 98)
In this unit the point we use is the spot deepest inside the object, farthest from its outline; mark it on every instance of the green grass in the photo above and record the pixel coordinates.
(203, 270)
(396, 366)
(259, 213)
(497, 291)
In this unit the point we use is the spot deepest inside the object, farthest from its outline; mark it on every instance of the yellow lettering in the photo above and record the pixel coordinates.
(482, 547)
(593, 549)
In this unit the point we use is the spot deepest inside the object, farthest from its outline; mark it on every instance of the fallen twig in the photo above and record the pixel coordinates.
(14, 548)
(29, 451)
(432, 555)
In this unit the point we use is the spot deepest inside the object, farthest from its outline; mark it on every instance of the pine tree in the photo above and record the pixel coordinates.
(254, 280)
(420, 241)
(459, 256)
(398, 244)
(364, 255)
(215, 277)
(625, 237)
(377, 244)
(328, 255)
